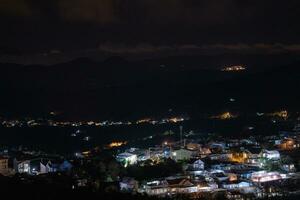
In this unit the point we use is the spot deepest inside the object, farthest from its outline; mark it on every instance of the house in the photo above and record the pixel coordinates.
(236, 195)
(155, 188)
(81, 182)
(288, 167)
(270, 155)
(247, 173)
(250, 141)
(23, 167)
(157, 153)
(198, 165)
(52, 166)
(195, 167)
(263, 176)
(240, 156)
(42, 166)
(204, 186)
(204, 151)
(220, 157)
(4, 165)
(181, 186)
(228, 167)
(217, 147)
(193, 146)
(181, 154)
(128, 184)
(221, 167)
(235, 185)
(169, 186)
(219, 175)
(233, 143)
(288, 144)
(127, 158)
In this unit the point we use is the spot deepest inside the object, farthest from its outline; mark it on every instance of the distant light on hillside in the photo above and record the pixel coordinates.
(224, 116)
(117, 144)
(234, 68)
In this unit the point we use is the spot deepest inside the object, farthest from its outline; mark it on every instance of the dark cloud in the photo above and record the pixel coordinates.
(34, 26)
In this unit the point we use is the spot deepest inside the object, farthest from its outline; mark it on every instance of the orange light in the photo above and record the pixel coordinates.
(116, 144)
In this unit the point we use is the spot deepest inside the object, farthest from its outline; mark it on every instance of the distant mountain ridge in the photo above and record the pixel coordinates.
(117, 86)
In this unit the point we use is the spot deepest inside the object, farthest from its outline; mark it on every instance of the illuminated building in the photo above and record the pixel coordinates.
(193, 146)
(289, 167)
(236, 195)
(235, 186)
(204, 151)
(155, 188)
(198, 165)
(220, 157)
(181, 186)
(127, 158)
(3, 165)
(232, 177)
(240, 157)
(288, 144)
(206, 187)
(181, 154)
(128, 184)
(170, 186)
(264, 176)
(271, 155)
(41, 166)
(195, 167)
(23, 167)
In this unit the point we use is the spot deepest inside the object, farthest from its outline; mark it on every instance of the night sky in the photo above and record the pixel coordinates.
(38, 29)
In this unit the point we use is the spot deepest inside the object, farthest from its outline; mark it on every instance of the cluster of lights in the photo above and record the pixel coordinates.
(265, 176)
(283, 114)
(234, 68)
(117, 144)
(288, 144)
(33, 123)
(239, 157)
(224, 116)
(162, 121)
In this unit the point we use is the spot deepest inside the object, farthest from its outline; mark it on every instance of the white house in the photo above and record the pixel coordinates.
(181, 154)
(198, 165)
(127, 158)
(235, 186)
(195, 167)
(128, 184)
(41, 166)
(263, 176)
(271, 155)
(170, 186)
